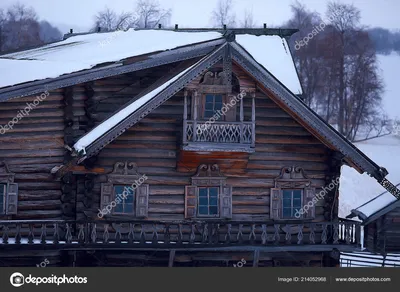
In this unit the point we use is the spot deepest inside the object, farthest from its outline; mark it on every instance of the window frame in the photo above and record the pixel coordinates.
(208, 176)
(204, 102)
(10, 199)
(133, 213)
(125, 174)
(4, 208)
(208, 206)
(292, 199)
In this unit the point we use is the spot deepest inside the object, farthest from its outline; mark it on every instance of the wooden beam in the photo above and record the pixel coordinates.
(256, 257)
(171, 258)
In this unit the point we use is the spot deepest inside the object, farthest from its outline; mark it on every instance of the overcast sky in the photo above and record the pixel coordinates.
(78, 14)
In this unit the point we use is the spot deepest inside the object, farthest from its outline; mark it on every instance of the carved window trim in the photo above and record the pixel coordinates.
(292, 178)
(125, 173)
(208, 176)
(10, 199)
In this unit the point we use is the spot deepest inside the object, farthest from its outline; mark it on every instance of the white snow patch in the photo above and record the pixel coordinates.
(86, 51)
(356, 189)
(272, 52)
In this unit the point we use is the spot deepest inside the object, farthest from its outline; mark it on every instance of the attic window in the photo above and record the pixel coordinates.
(3, 188)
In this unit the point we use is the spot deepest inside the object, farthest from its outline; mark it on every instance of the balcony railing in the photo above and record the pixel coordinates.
(239, 134)
(182, 234)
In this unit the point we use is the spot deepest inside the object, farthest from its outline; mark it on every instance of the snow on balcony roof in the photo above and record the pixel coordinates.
(86, 51)
(272, 52)
(356, 189)
(114, 120)
(83, 52)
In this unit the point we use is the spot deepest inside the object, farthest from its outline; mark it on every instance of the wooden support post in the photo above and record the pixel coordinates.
(185, 117)
(171, 258)
(241, 121)
(256, 258)
(195, 107)
(253, 119)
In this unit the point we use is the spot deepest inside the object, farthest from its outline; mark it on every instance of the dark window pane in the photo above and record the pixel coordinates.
(287, 203)
(118, 189)
(218, 98)
(287, 194)
(2, 189)
(287, 212)
(119, 208)
(203, 201)
(208, 114)
(213, 210)
(209, 106)
(218, 106)
(128, 208)
(203, 192)
(213, 192)
(129, 199)
(209, 98)
(296, 194)
(213, 201)
(203, 210)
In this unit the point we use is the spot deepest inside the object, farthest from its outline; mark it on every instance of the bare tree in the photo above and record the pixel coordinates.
(21, 27)
(223, 14)
(2, 34)
(149, 14)
(248, 19)
(108, 20)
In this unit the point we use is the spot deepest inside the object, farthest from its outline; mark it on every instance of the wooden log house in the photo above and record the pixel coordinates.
(169, 148)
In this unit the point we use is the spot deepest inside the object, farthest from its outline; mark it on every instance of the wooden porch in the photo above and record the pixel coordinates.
(181, 235)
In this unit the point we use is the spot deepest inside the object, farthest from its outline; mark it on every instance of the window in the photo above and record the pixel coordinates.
(124, 198)
(293, 197)
(291, 202)
(213, 104)
(208, 196)
(8, 191)
(3, 188)
(125, 193)
(208, 201)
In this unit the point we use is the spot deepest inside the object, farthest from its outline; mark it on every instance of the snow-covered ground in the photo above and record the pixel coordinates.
(356, 189)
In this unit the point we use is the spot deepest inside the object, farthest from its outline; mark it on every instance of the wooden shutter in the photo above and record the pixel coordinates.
(142, 201)
(276, 204)
(12, 198)
(190, 201)
(226, 202)
(309, 194)
(106, 195)
(230, 115)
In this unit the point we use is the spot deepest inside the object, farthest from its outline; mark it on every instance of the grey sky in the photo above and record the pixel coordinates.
(78, 14)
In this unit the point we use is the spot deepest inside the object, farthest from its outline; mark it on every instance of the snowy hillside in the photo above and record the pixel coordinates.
(356, 189)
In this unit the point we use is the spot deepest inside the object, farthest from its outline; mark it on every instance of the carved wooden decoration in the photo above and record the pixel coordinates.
(214, 82)
(124, 172)
(292, 177)
(208, 175)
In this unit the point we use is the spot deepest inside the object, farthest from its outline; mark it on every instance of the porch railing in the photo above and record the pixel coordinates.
(177, 234)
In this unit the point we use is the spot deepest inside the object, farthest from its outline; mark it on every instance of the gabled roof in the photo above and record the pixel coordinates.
(94, 56)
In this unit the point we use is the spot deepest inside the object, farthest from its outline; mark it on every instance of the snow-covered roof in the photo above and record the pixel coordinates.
(111, 122)
(362, 192)
(84, 52)
(272, 52)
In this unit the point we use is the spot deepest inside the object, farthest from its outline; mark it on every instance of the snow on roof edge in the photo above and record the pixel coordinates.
(119, 116)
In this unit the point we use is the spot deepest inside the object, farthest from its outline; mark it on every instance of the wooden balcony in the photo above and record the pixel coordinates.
(182, 235)
(231, 136)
